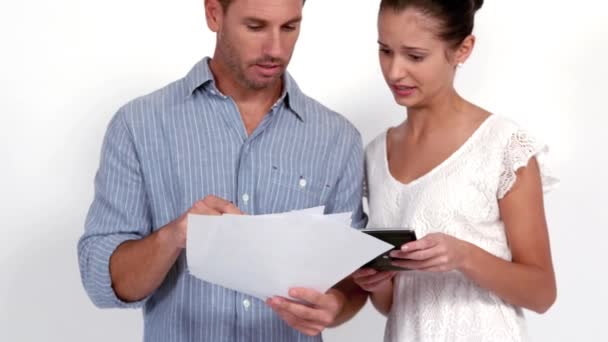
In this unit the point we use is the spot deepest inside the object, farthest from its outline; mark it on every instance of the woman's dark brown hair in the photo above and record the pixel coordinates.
(457, 17)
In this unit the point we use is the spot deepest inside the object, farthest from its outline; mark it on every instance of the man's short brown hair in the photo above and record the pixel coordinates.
(226, 3)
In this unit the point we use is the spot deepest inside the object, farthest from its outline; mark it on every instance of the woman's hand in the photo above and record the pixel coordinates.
(379, 285)
(436, 252)
(371, 280)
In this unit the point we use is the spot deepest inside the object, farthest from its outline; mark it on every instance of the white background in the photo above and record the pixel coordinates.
(67, 65)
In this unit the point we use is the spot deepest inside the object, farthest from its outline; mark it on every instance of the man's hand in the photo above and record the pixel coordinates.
(311, 319)
(210, 205)
(138, 267)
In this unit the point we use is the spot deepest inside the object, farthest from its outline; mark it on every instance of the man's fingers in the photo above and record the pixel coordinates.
(304, 326)
(313, 315)
(299, 310)
(232, 209)
(213, 205)
(307, 327)
(221, 205)
(201, 208)
(308, 295)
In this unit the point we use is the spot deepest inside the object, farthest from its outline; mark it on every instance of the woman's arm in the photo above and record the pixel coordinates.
(528, 280)
(379, 285)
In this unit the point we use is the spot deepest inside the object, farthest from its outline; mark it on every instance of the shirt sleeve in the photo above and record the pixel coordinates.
(119, 212)
(520, 148)
(348, 194)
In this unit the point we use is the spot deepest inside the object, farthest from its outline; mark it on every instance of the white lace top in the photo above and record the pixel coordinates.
(458, 197)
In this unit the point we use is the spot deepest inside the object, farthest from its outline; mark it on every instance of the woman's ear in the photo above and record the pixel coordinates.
(464, 50)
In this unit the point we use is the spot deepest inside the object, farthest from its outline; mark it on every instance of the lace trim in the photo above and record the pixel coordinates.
(521, 147)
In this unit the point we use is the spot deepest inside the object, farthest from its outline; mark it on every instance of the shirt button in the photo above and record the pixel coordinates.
(302, 183)
(246, 304)
(245, 198)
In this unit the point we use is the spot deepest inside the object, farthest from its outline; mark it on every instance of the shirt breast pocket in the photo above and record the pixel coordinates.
(293, 190)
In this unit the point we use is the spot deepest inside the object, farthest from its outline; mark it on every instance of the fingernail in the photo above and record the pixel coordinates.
(404, 248)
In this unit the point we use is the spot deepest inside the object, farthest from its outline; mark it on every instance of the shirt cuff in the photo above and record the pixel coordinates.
(100, 282)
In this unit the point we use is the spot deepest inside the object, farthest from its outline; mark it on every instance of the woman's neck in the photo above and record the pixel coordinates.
(442, 112)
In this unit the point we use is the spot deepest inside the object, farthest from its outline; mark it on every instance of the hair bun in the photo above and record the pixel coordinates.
(477, 4)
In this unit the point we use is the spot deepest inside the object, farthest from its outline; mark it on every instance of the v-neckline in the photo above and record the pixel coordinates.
(437, 167)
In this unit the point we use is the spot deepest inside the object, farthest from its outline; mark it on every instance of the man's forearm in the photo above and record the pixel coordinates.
(138, 267)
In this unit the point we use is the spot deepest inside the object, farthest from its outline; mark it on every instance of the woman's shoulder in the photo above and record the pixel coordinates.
(500, 130)
(500, 122)
(517, 145)
(377, 145)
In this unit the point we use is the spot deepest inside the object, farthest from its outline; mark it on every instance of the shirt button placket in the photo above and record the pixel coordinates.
(243, 190)
(246, 304)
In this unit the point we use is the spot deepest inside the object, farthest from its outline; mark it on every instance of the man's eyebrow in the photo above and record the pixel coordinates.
(294, 21)
(254, 20)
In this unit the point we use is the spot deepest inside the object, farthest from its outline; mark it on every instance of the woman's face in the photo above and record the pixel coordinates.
(417, 65)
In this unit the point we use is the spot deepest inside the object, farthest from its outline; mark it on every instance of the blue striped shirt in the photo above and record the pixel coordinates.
(164, 151)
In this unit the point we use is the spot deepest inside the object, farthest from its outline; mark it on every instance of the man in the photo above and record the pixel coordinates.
(236, 135)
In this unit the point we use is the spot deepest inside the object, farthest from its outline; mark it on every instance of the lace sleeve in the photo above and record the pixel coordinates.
(520, 148)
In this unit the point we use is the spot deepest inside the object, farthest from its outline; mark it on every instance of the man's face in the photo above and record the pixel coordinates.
(256, 39)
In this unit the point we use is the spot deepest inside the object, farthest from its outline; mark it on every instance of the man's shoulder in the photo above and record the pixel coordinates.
(318, 114)
(168, 96)
(145, 111)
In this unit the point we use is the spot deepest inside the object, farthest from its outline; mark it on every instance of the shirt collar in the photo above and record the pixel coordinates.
(294, 97)
(201, 75)
(198, 76)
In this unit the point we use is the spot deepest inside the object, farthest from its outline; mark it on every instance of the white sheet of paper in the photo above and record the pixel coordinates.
(266, 255)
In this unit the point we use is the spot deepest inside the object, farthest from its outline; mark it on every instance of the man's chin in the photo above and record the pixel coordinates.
(262, 82)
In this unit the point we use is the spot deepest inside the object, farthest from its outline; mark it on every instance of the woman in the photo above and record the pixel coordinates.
(468, 182)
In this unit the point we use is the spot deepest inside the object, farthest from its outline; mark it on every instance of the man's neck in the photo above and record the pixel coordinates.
(241, 94)
(253, 104)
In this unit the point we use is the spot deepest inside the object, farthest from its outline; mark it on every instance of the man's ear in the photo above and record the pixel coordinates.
(214, 13)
